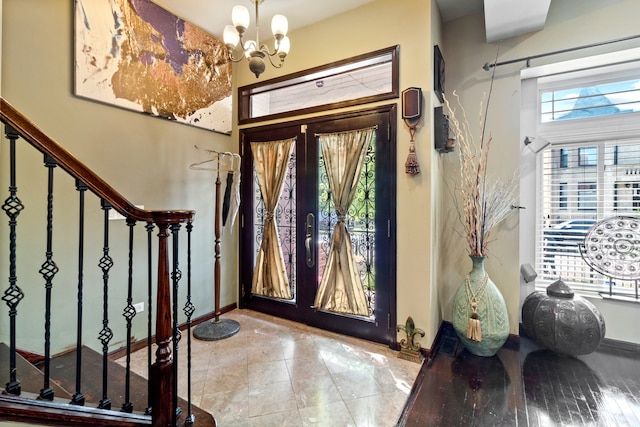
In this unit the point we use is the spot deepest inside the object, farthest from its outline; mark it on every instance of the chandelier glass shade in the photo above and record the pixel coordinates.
(252, 50)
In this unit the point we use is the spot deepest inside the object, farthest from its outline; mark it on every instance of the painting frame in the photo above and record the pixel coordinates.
(135, 55)
(438, 73)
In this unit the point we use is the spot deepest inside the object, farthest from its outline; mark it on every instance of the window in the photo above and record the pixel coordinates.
(587, 196)
(562, 196)
(618, 97)
(564, 158)
(589, 112)
(587, 156)
(574, 198)
(627, 156)
(627, 196)
(366, 78)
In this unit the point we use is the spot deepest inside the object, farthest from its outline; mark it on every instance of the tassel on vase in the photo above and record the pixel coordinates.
(473, 329)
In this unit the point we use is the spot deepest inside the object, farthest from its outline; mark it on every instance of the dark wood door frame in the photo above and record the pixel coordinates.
(387, 192)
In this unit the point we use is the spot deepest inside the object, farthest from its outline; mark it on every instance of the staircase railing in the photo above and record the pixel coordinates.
(161, 408)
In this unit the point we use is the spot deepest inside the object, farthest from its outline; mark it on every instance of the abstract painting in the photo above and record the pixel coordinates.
(136, 55)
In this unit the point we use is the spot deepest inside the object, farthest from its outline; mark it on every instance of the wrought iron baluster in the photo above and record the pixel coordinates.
(369, 193)
(287, 224)
(106, 262)
(13, 294)
(48, 271)
(149, 227)
(176, 275)
(78, 396)
(189, 309)
(129, 314)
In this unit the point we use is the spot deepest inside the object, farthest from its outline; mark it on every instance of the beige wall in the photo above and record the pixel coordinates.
(0, 47)
(569, 24)
(437, 218)
(145, 158)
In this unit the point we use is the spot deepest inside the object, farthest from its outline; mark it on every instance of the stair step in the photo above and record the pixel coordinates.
(31, 378)
(63, 369)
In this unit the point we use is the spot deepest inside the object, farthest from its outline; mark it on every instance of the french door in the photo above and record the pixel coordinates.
(305, 218)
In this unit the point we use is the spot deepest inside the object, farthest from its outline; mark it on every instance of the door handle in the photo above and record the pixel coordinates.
(309, 243)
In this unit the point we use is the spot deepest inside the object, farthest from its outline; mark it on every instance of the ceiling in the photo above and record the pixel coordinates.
(454, 9)
(212, 16)
(503, 18)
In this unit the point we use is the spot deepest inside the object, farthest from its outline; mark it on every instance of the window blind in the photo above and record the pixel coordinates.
(579, 185)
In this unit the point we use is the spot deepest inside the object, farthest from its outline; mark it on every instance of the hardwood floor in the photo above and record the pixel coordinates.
(525, 386)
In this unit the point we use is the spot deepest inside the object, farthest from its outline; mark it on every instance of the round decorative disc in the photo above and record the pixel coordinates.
(612, 247)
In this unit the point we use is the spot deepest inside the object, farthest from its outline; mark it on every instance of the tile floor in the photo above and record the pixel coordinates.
(275, 372)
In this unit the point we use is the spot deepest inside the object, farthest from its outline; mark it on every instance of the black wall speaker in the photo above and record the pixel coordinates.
(441, 130)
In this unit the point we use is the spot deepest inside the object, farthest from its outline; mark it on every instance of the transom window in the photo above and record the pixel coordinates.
(589, 101)
(361, 79)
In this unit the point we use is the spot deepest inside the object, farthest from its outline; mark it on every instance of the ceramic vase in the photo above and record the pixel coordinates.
(491, 312)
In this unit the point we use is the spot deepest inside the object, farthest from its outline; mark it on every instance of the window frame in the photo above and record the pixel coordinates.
(559, 134)
(246, 92)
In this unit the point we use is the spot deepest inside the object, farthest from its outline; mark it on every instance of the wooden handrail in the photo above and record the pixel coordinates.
(43, 143)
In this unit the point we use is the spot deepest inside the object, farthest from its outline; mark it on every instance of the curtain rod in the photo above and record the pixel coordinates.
(488, 66)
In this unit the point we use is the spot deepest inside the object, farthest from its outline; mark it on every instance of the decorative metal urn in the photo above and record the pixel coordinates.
(561, 321)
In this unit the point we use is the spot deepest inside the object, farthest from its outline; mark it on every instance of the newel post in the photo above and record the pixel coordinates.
(161, 375)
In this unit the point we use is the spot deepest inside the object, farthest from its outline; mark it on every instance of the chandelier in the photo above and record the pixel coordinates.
(252, 49)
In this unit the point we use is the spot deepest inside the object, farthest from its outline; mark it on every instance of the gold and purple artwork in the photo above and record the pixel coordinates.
(136, 55)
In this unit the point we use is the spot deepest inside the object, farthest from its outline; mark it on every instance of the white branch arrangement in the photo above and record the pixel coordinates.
(486, 201)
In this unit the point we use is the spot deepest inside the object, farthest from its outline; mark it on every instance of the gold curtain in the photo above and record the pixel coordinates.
(271, 161)
(340, 288)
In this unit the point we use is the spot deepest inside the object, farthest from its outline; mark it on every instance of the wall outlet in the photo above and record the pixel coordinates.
(114, 215)
(139, 307)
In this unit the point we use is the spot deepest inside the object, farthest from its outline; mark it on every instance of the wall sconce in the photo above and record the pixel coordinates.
(252, 49)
